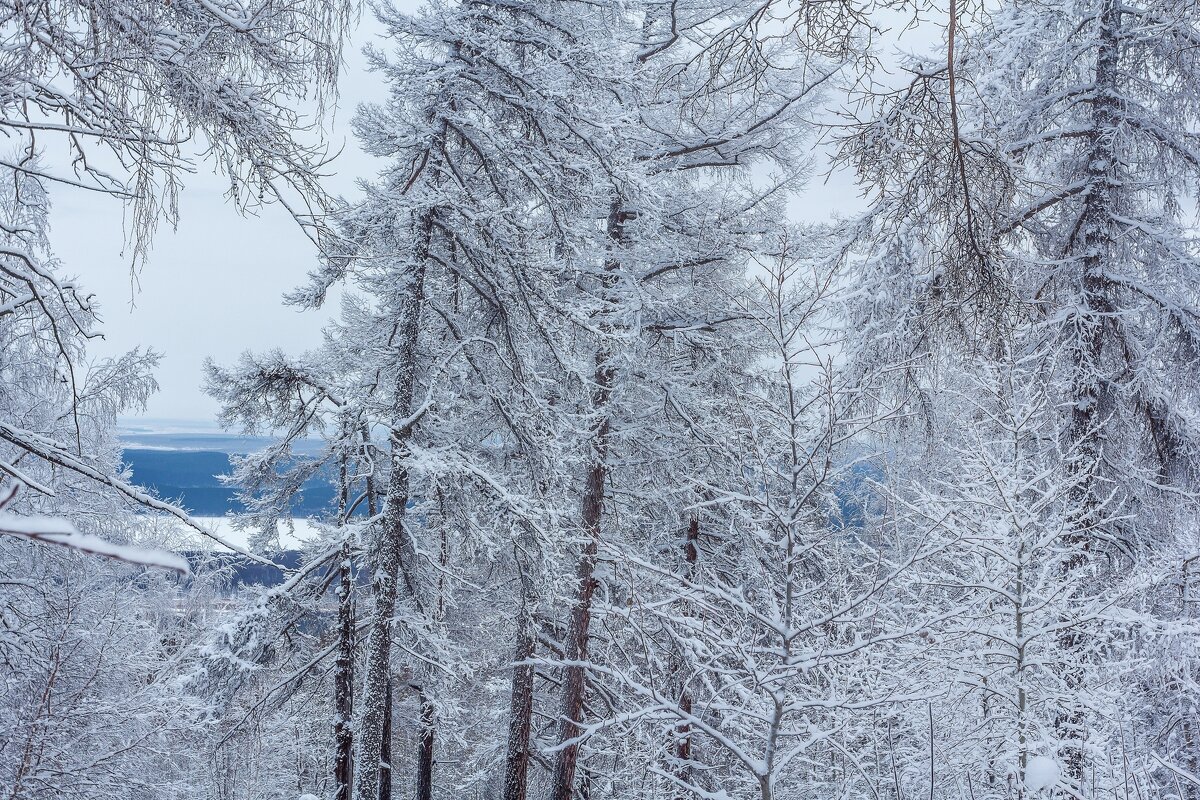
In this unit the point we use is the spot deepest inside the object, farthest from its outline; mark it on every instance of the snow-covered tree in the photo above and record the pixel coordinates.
(109, 97)
(122, 94)
(640, 489)
(116, 99)
(770, 620)
(1006, 659)
(1050, 233)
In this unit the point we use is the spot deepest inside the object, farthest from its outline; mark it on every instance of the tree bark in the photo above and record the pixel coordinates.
(344, 681)
(577, 634)
(1191, 741)
(591, 514)
(425, 760)
(385, 754)
(520, 719)
(683, 733)
(391, 536)
(1093, 320)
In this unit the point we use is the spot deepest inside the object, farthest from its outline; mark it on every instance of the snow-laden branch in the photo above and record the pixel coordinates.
(57, 454)
(52, 530)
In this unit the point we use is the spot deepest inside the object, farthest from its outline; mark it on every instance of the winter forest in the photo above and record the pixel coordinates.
(655, 475)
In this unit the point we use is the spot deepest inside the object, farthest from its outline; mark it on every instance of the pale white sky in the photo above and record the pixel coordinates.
(213, 286)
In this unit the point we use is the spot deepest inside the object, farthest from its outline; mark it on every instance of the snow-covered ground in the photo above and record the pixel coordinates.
(292, 535)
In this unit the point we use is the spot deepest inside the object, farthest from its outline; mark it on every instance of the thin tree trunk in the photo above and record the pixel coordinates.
(372, 489)
(591, 515)
(1020, 669)
(520, 720)
(385, 755)
(683, 742)
(577, 634)
(1093, 317)
(391, 537)
(425, 760)
(1191, 741)
(344, 681)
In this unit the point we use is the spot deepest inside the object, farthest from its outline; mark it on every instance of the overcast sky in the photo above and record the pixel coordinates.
(212, 287)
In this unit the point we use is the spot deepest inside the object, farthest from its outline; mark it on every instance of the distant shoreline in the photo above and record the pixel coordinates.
(187, 468)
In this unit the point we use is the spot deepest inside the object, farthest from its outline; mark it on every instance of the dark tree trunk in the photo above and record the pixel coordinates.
(1086, 437)
(425, 760)
(391, 542)
(574, 678)
(683, 734)
(520, 719)
(590, 517)
(385, 754)
(372, 488)
(344, 681)
(1191, 741)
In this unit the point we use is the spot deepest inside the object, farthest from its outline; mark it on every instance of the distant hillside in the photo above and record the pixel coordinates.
(217, 442)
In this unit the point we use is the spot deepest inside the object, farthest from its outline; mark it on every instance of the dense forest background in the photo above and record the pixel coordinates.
(626, 470)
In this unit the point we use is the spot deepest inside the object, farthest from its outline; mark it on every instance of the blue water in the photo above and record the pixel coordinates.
(186, 469)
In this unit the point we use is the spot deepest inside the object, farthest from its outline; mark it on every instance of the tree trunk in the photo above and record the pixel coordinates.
(1020, 664)
(1191, 741)
(344, 681)
(1093, 320)
(425, 760)
(372, 489)
(591, 514)
(577, 634)
(385, 753)
(683, 733)
(520, 720)
(391, 537)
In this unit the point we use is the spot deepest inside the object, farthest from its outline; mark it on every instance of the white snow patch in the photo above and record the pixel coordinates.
(1042, 772)
(302, 531)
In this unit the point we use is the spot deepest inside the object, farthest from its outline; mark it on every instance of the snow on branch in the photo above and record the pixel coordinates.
(56, 453)
(62, 532)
